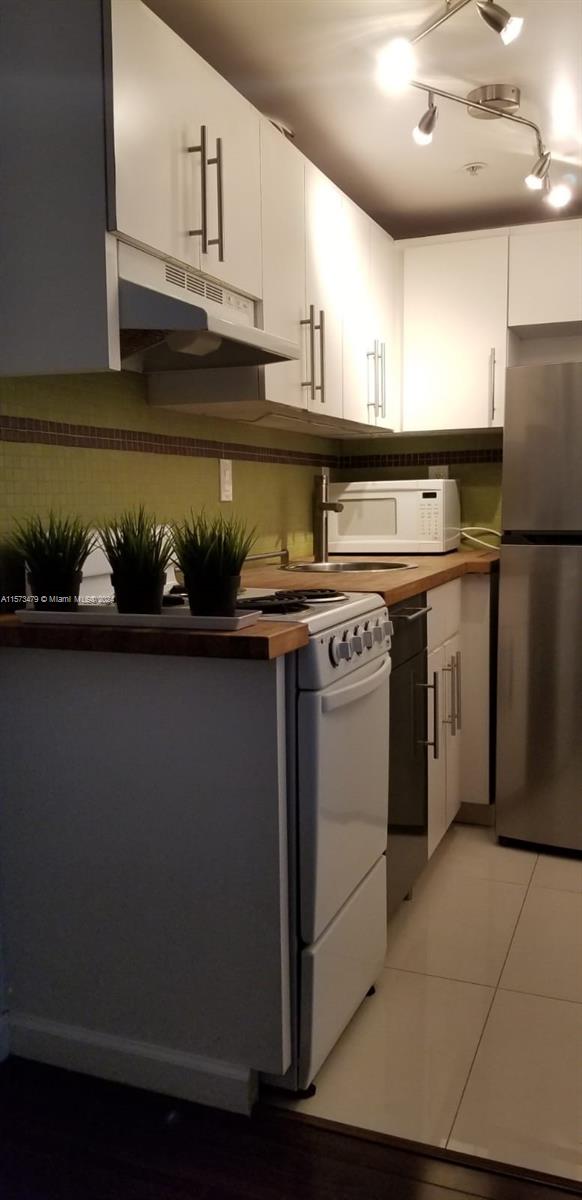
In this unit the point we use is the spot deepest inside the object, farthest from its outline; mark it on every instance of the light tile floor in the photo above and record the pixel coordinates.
(474, 1037)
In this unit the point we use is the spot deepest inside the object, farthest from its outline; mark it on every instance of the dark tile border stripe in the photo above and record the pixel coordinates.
(94, 437)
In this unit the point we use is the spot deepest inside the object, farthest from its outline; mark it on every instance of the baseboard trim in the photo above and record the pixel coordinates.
(476, 814)
(139, 1064)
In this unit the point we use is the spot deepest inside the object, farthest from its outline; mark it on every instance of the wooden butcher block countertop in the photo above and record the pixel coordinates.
(266, 639)
(427, 571)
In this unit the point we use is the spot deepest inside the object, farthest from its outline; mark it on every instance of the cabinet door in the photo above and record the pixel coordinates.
(324, 229)
(233, 187)
(453, 720)
(455, 334)
(386, 304)
(360, 347)
(283, 243)
(437, 738)
(545, 274)
(158, 89)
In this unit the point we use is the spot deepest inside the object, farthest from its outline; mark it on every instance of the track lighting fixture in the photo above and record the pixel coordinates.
(498, 19)
(423, 132)
(535, 180)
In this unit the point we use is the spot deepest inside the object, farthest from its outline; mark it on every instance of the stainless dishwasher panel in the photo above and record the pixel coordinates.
(539, 715)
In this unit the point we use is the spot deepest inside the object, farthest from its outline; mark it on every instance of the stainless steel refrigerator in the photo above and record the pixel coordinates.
(539, 713)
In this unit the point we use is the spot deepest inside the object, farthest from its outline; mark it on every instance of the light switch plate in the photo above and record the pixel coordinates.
(226, 479)
(441, 471)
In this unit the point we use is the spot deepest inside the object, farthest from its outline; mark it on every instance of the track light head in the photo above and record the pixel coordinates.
(500, 21)
(423, 132)
(535, 180)
(557, 196)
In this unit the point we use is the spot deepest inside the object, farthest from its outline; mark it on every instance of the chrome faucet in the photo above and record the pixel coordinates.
(321, 507)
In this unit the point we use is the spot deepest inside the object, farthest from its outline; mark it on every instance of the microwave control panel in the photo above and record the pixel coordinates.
(429, 516)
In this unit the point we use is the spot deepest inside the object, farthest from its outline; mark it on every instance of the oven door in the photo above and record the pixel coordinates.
(342, 790)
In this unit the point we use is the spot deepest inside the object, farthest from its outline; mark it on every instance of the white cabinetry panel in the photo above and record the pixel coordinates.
(545, 274)
(283, 246)
(325, 275)
(361, 377)
(455, 334)
(386, 303)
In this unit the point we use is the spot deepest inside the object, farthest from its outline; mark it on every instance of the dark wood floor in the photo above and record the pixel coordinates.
(66, 1137)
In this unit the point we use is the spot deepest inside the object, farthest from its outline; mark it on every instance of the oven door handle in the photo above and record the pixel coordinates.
(356, 691)
(410, 614)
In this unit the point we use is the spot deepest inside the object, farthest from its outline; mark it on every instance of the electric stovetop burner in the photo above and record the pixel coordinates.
(293, 601)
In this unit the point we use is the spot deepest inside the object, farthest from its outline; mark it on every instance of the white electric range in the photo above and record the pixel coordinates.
(337, 702)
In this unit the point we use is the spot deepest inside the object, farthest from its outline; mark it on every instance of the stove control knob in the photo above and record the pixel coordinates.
(357, 643)
(368, 636)
(340, 650)
(378, 633)
(388, 629)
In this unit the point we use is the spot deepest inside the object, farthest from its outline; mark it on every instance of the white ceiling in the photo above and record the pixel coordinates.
(312, 64)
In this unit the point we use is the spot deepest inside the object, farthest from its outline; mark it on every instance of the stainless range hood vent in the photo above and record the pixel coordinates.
(174, 319)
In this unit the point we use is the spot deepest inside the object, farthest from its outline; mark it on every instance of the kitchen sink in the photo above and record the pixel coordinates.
(349, 566)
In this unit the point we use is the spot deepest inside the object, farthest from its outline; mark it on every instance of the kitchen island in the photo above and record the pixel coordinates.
(144, 833)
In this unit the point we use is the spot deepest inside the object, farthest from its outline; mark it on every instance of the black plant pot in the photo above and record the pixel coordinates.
(138, 593)
(55, 591)
(212, 596)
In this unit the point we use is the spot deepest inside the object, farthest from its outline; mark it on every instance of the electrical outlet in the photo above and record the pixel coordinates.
(439, 472)
(226, 479)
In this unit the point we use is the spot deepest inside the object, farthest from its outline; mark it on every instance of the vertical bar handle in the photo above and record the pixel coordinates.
(492, 385)
(202, 151)
(383, 377)
(217, 162)
(373, 404)
(310, 383)
(434, 687)
(321, 327)
(452, 721)
(459, 689)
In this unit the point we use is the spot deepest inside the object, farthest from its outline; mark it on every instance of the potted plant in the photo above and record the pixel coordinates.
(54, 553)
(138, 552)
(210, 553)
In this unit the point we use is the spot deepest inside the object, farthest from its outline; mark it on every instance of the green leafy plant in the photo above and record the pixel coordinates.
(54, 552)
(210, 552)
(211, 546)
(57, 547)
(135, 545)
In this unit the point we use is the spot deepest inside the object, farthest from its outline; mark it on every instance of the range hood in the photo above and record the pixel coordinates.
(175, 319)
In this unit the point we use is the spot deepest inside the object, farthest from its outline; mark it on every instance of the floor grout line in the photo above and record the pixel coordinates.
(495, 991)
(433, 975)
(538, 995)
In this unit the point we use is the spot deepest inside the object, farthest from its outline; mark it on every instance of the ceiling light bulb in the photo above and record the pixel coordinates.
(535, 180)
(396, 65)
(500, 21)
(512, 30)
(559, 196)
(423, 132)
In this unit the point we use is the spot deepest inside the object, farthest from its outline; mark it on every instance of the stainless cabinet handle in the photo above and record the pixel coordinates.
(217, 162)
(410, 614)
(202, 151)
(459, 690)
(452, 720)
(310, 383)
(492, 385)
(383, 376)
(321, 327)
(374, 404)
(434, 687)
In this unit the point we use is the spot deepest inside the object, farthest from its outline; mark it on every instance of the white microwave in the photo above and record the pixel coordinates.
(403, 516)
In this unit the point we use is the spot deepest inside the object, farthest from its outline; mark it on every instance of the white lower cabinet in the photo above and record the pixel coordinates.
(437, 769)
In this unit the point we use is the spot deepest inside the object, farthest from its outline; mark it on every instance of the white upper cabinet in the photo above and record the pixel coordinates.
(283, 242)
(545, 274)
(455, 334)
(324, 294)
(186, 153)
(386, 304)
(361, 361)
